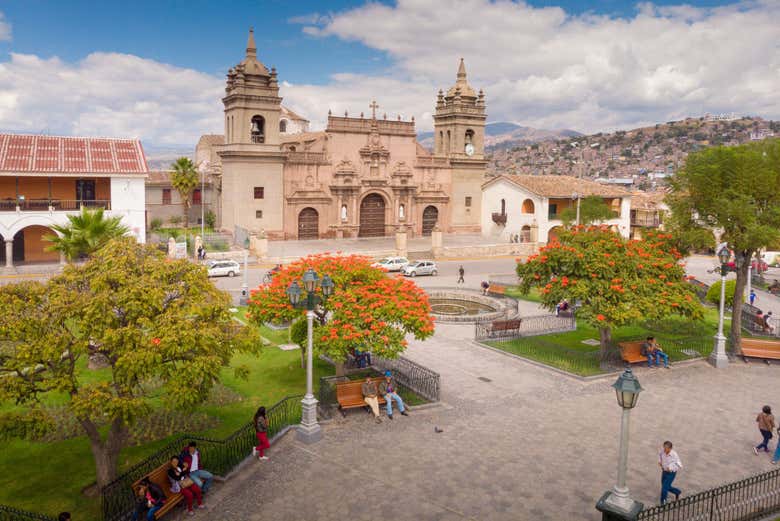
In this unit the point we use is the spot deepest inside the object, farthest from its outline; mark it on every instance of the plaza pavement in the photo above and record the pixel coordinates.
(518, 442)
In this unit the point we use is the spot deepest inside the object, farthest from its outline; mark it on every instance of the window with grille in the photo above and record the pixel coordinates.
(166, 196)
(468, 201)
(258, 214)
(196, 196)
(259, 192)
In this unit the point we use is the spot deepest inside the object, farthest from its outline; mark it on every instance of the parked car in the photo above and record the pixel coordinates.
(229, 268)
(392, 263)
(754, 265)
(420, 268)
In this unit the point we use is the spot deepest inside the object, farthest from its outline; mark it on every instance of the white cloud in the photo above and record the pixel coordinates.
(5, 28)
(543, 67)
(109, 94)
(540, 67)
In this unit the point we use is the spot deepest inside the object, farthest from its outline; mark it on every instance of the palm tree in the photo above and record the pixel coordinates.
(85, 233)
(184, 179)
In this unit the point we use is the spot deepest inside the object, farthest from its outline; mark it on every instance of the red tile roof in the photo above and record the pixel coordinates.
(22, 153)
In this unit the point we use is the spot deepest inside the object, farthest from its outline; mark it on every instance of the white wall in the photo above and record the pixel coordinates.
(514, 197)
(128, 200)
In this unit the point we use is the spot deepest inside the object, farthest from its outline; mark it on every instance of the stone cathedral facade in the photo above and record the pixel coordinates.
(364, 176)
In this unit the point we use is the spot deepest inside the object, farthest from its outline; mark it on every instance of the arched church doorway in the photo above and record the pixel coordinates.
(372, 216)
(430, 217)
(308, 224)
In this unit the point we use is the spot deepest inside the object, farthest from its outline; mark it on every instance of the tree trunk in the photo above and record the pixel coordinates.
(736, 305)
(605, 336)
(340, 369)
(186, 204)
(105, 453)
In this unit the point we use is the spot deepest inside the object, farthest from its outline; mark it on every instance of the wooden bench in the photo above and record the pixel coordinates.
(760, 348)
(504, 325)
(350, 394)
(159, 476)
(631, 352)
(497, 289)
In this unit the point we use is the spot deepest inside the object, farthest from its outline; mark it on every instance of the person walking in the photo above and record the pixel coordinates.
(370, 396)
(752, 297)
(261, 430)
(461, 272)
(670, 464)
(766, 424)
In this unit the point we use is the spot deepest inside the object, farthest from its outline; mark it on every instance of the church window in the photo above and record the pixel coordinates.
(258, 129)
(196, 196)
(166, 196)
(401, 212)
(447, 149)
(258, 214)
(282, 126)
(441, 142)
(259, 192)
(469, 136)
(343, 212)
(468, 201)
(292, 148)
(503, 206)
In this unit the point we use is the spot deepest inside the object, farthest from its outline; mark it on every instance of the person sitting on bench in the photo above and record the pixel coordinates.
(653, 351)
(150, 499)
(370, 394)
(389, 389)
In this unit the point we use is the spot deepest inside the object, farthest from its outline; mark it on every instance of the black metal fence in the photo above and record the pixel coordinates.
(751, 498)
(423, 381)
(219, 457)
(700, 288)
(13, 514)
(759, 325)
(529, 326)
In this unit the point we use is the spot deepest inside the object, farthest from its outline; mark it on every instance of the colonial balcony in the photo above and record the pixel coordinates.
(499, 218)
(307, 158)
(50, 205)
(648, 221)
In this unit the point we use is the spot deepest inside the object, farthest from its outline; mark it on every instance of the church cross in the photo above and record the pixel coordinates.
(373, 106)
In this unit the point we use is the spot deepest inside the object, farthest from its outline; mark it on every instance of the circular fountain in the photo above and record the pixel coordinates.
(463, 306)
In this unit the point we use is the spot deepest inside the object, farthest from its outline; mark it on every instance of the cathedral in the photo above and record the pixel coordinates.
(364, 176)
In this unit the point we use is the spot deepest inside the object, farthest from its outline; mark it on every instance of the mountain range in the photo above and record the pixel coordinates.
(503, 134)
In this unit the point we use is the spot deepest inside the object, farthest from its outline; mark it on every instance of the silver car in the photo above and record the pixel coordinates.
(229, 268)
(420, 268)
(392, 263)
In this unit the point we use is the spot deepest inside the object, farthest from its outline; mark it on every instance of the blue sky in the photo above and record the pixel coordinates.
(208, 37)
(155, 69)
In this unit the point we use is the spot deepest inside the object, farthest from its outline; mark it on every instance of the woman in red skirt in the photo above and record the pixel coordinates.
(261, 428)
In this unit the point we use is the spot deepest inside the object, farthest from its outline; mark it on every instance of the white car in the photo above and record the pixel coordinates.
(229, 268)
(420, 268)
(392, 263)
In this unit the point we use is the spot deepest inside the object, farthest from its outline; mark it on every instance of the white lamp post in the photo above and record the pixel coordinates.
(577, 196)
(718, 356)
(309, 430)
(617, 504)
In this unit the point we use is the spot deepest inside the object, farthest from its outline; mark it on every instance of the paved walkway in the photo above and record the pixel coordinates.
(519, 442)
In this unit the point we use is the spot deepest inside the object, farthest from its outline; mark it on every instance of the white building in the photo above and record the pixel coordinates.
(43, 179)
(529, 206)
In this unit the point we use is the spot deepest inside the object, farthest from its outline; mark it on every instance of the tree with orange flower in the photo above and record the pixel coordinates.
(368, 310)
(615, 281)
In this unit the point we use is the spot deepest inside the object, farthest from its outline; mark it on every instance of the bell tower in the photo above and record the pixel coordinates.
(252, 161)
(459, 135)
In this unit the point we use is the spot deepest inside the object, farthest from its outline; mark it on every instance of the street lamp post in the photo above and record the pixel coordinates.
(244, 298)
(718, 356)
(617, 504)
(576, 195)
(309, 430)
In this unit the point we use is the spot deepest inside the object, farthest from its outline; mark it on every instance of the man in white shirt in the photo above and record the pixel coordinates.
(201, 477)
(670, 463)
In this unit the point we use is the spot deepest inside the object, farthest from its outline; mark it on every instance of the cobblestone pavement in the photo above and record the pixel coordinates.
(518, 442)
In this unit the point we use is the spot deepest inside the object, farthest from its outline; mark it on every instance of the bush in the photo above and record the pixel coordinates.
(299, 332)
(175, 220)
(211, 219)
(155, 224)
(713, 294)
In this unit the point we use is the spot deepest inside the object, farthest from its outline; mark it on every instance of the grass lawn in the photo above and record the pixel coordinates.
(566, 350)
(48, 477)
(532, 296)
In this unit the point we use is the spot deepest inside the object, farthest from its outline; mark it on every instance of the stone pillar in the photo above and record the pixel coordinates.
(437, 241)
(172, 248)
(400, 242)
(259, 245)
(62, 259)
(534, 232)
(9, 253)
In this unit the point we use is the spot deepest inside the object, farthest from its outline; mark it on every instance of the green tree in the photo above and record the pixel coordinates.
(615, 281)
(164, 329)
(593, 210)
(184, 178)
(736, 190)
(713, 294)
(85, 233)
